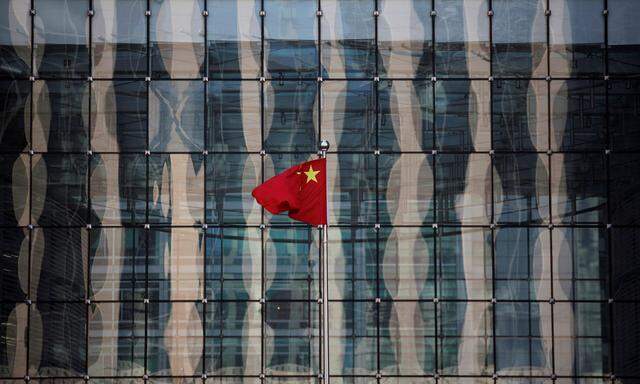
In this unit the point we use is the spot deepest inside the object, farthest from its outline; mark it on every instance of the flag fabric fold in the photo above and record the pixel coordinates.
(300, 190)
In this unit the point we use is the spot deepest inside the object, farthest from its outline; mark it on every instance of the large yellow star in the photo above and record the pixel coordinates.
(311, 174)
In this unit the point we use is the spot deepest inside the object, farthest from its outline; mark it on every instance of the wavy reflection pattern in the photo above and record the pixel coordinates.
(483, 190)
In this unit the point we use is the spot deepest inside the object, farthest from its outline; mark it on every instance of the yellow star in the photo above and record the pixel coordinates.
(311, 174)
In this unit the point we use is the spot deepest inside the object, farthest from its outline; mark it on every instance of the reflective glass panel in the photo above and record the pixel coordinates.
(119, 116)
(622, 41)
(234, 116)
(119, 40)
(15, 127)
(519, 38)
(291, 39)
(176, 37)
(576, 38)
(462, 38)
(15, 38)
(348, 114)
(61, 39)
(176, 116)
(404, 38)
(348, 34)
(405, 115)
(234, 38)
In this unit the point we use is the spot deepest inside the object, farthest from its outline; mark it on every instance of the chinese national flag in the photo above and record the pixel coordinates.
(301, 190)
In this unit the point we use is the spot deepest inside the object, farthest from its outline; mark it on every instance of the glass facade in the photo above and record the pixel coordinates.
(484, 190)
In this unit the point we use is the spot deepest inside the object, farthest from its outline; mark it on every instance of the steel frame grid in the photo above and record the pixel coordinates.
(319, 126)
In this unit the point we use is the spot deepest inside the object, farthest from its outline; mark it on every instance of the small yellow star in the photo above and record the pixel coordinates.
(311, 174)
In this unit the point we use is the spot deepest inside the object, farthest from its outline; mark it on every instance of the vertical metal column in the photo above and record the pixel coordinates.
(324, 262)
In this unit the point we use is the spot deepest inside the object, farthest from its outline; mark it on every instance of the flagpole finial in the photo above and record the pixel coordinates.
(324, 145)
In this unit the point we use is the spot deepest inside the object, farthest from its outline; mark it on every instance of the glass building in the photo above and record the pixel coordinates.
(484, 190)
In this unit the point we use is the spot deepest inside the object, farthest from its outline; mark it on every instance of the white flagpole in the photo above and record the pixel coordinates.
(324, 261)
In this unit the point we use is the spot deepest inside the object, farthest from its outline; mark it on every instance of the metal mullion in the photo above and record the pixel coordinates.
(377, 302)
(147, 235)
(376, 90)
(262, 214)
(435, 232)
(30, 178)
(205, 230)
(609, 231)
(88, 191)
(146, 231)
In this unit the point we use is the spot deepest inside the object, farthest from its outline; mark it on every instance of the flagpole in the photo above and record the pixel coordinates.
(324, 261)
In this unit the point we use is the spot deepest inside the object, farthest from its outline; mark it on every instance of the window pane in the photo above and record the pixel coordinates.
(229, 199)
(290, 113)
(465, 330)
(353, 342)
(58, 264)
(14, 248)
(406, 195)
(116, 339)
(348, 115)
(15, 97)
(175, 264)
(624, 188)
(578, 115)
(463, 116)
(119, 116)
(61, 38)
(291, 39)
(406, 258)
(15, 179)
(176, 116)
(234, 116)
(623, 40)
(117, 264)
(119, 38)
(463, 188)
(15, 38)
(177, 39)
(60, 116)
(348, 34)
(291, 256)
(580, 264)
(581, 336)
(521, 188)
(13, 349)
(233, 38)
(625, 257)
(405, 120)
(520, 115)
(290, 344)
(523, 337)
(404, 38)
(232, 343)
(519, 38)
(353, 261)
(522, 264)
(57, 339)
(464, 264)
(174, 339)
(59, 189)
(576, 38)
(462, 38)
(579, 188)
(118, 189)
(623, 117)
(352, 197)
(234, 264)
(407, 343)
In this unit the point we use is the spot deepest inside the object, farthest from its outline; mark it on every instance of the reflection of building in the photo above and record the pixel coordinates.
(483, 189)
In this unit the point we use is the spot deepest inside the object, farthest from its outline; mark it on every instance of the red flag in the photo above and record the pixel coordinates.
(301, 190)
